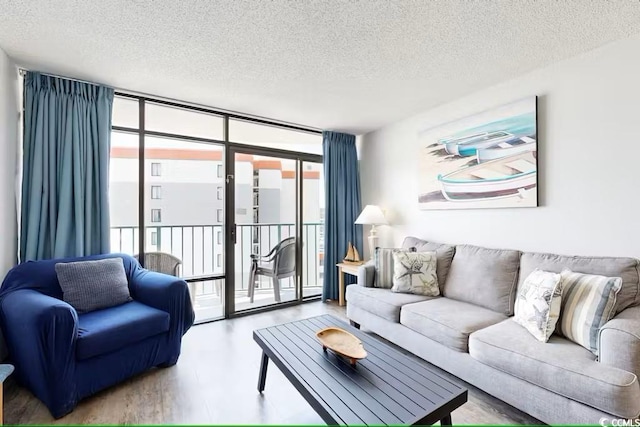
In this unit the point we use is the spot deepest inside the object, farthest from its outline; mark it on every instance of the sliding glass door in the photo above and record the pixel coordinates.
(265, 230)
(277, 228)
(232, 205)
(312, 228)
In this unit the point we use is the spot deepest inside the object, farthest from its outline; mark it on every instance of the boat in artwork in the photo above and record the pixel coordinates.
(352, 256)
(468, 146)
(504, 177)
(506, 149)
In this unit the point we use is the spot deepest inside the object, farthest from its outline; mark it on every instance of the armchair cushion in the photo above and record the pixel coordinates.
(103, 331)
(92, 285)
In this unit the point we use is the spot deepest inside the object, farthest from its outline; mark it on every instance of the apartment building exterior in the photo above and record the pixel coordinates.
(184, 208)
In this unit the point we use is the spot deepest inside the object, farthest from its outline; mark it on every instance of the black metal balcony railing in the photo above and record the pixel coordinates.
(201, 247)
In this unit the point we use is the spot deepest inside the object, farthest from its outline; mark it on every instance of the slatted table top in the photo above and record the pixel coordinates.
(387, 387)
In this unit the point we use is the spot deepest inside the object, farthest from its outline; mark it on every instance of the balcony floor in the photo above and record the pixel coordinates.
(209, 306)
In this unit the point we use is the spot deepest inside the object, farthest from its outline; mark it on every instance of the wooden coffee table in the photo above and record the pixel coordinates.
(387, 387)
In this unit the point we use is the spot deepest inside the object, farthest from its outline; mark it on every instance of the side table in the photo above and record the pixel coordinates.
(344, 268)
(5, 371)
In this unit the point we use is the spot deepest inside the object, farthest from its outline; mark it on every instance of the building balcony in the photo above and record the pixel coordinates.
(201, 249)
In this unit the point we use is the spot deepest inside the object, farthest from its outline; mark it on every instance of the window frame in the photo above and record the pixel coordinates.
(156, 169)
(153, 217)
(158, 195)
(227, 263)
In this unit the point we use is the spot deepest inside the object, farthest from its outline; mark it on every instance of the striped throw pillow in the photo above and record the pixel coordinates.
(383, 263)
(588, 302)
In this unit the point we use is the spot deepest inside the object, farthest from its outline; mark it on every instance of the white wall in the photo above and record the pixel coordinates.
(589, 162)
(9, 121)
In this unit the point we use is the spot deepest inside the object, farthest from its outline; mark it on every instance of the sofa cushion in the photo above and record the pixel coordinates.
(627, 268)
(103, 331)
(588, 302)
(93, 284)
(559, 366)
(381, 302)
(384, 264)
(538, 304)
(448, 321)
(415, 273)
(444, 255)
(484, 277)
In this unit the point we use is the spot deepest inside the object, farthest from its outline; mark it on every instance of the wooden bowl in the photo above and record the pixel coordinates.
(342, 342)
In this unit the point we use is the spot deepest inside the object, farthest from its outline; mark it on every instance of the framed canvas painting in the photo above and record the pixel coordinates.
(488, 160)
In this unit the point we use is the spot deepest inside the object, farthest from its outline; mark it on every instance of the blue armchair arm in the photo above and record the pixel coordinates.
(41, 336)
(167, 293)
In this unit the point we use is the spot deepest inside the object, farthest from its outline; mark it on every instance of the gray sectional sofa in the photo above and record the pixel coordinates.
(469, 331)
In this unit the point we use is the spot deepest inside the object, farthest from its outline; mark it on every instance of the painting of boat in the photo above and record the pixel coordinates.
(459, 139)
(506, 149)
(511, 176)
(485, 160)
(469, 146)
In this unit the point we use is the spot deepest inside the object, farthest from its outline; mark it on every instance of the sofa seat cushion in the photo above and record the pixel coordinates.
(448, 321)
(107, 330)
(559, 365)
(381, 302)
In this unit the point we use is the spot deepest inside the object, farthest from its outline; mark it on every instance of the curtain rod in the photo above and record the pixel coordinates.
(23, 71)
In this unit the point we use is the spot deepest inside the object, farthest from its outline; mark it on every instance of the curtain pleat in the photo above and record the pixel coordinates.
(67, 137)
(342, 206)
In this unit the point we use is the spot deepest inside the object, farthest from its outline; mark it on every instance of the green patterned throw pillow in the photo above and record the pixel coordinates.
(415, 273)
(383, 263)
(538, 303)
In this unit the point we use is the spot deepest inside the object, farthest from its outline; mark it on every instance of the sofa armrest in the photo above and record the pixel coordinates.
(366, 274)
(41, 333)
(166, 293)
(619, 341)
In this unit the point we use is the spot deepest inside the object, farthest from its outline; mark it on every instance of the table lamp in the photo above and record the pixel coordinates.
(372, 215)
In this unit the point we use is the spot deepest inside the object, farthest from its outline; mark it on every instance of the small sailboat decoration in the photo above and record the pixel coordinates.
(352, 256)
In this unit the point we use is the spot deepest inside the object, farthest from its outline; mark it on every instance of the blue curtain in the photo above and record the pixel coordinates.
(65, 169)
(342, 206)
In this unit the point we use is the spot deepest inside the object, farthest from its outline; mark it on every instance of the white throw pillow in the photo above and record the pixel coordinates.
(415, 273)
(538, 303)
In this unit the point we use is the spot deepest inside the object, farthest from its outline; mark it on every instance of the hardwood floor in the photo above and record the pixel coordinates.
(215, 382)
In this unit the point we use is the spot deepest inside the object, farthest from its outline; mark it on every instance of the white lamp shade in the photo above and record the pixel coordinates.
(371, 215)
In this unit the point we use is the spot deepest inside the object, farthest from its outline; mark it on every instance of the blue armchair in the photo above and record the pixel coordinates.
(63, 357)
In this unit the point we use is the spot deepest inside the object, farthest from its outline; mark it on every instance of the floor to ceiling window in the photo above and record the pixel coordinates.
(170, 172)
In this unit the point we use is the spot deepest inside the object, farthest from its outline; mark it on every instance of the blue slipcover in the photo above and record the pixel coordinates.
(106, 330)
(44, 333)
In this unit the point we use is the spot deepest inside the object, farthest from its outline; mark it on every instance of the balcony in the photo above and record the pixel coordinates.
(201, 249)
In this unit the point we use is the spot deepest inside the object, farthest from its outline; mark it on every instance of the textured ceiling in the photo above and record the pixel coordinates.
(346, 65)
